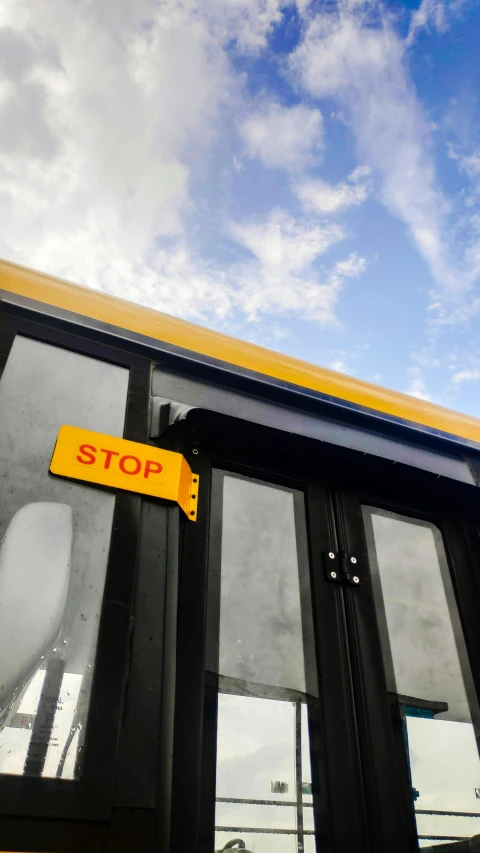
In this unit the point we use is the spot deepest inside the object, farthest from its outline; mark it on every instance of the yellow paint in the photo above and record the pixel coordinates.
(81, 454)
(163, 327)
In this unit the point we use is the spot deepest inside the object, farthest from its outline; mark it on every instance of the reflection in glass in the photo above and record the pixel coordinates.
(35, 556)
(55, 538)
(428, 673)
(260, 645)
(259, 777)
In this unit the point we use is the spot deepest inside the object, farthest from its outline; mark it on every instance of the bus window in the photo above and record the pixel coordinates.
(55, 545)
(428, 673)
(263, 653)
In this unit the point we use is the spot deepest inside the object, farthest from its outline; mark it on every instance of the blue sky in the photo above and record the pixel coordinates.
(302, 175)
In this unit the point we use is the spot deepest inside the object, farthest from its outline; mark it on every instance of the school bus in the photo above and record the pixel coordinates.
(239, 594)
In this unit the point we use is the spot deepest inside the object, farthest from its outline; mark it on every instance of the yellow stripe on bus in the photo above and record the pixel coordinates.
(163, 327)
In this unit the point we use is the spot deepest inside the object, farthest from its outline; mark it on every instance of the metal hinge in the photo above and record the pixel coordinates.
(164, 413)
(341, 568)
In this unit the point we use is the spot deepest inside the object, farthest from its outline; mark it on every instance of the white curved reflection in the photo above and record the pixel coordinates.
(34, 576)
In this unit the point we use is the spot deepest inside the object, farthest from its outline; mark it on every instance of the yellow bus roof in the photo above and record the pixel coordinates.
(163, 327)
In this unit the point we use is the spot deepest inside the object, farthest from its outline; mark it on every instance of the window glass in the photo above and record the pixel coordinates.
(266, 632)
(261, 646)
(428, 673)
(55, 542)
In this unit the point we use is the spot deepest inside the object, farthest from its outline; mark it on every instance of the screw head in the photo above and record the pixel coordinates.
(195, 451)
(355, 579)
(333, 575)
(353, 560)
(331, 555)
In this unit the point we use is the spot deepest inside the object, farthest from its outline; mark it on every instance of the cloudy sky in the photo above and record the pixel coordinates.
(305, 175)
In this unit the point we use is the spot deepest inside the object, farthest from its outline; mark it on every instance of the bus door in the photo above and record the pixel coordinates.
(325, 688)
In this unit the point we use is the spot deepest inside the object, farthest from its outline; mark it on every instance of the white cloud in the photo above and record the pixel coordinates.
(339, 365)
(106, 109)
(106, 104)
(463, 365)
(317, 196)
(423, 360)
(417, 387)
(432, 15)
(355, 56)
(276, 278)
(469, 164)
(283, 137)
(462, 311)
(429, 13)
(281, 243)
(465, 376)
(280, 276)
(247, 22)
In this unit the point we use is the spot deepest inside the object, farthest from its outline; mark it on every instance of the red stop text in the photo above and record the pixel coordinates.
(110, 460)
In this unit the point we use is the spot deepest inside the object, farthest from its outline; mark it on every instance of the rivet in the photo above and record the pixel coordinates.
(195, 480)
(331, 555)
(355, 579)
(353, 560)
(193, 497)
(333, 575)
(192, 512)
(195, 451)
